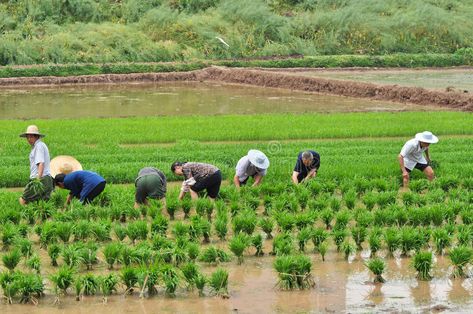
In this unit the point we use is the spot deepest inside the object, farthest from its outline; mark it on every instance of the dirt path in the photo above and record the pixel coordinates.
(264, 78)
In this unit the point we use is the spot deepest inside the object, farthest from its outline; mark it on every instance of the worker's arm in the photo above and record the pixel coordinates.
(258, 179)
(40, 170)
(427, 156)
(236, 181)
(294, 177)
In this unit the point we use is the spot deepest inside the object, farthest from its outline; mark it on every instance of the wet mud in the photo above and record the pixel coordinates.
(257, 77)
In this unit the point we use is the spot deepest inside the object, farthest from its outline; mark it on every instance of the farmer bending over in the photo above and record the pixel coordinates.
(412, 156)
(307, 165)
(39, 168)
(254, 165)
(84, 185)
(198, 177)
(151, 183)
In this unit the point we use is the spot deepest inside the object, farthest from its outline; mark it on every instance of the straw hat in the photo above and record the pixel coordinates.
(32, 130)
(64, 164)
(258, 159)
(427, 137)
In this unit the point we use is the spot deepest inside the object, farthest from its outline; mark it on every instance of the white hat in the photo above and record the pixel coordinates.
(258, 159)
(427, 137)
(32, 130)
(64, 164)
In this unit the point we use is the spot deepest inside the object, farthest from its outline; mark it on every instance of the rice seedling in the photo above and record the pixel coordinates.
(467, 216)
(374, 240)
(221, 227)
(180, 230)
(34, 263)
(200, 226)
(409, 198)
(186, 205)
(148, 278)
(348, 248)
(128, 255)
(9, 233)
(319, 235)
(359, 235)
(303, 195)
(78, 288)
(441, 238)
(190, 272)
(112, 253)
(64, 231)
(137, 230)
(245, 221)
(25, 246)
(294, 272)
(101, 230)
(218, 281)
(350, 199)
(464, 235)
(342, 218)
(11, 259)
(120, 231)
(339, 236)
(81, 230)
(30, 287)
(409, 239)
(88, 254)
(252, 202)
(377, 267)
(108, 285)
(305, 219)
(159, 225)
(170, 278)
(204, 206)
(369, 199)
(303, 237)
(90, 284)
(213, 255)
(193, 250)
(9, 286)
(327, 216)
(392, 238)
(129, 277)
(322, 248)
(283, 244)
(257, 242)
(267, 225)
(422, 263)
(63, 279)
(364, 218)
(460, 257)
(238, 244)
(54, 251)
(200, 282)
(285, 220)
(172, 204)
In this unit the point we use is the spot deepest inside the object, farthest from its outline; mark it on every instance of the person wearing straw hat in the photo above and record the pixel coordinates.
(150, 183)
(41, 183)
(254, 164)
(82, 184)
(412, 156)
(307, 165)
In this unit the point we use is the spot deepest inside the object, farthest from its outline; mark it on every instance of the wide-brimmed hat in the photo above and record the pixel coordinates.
(64, 164)
(32, 130)
(427, 137)
(258, 159)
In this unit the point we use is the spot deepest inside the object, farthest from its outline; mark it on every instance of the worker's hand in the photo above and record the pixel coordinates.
(405, 175)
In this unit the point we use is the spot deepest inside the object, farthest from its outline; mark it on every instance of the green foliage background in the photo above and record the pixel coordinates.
(103, 31)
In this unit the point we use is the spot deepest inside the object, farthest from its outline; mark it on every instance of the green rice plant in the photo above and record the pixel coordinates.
(339, 236)
(63, 279)
(193, 250)
(424, 235)
(319, 235)
(90, 284)
(321, 203)
(386, 198)
(82, 230)
(267, 225)
(467, 216)
(170, 278)
(234, 208)
(179, 255)
(148, 278)
(350, 199)
(285, 220)
(303, 195)
(101, 230)
(172, 205)
(409, 239)
(88, 254)
(359, 235)
(401, 216)
(305, 219)
(460, 257)
(327, 216)
(435, 196)
(64, 231)
(422, 263)
(384, 217)
(267, 204)
(348, 248)
(392, 237)
(294, 272)
(441, 239)
(159, 225)
(54, 251)
(120, 231)
(128, 255)
(322, 248)
(377, 266)
(137, 230)
(180, 230)
(78, 287)
(303, 237)
(108, 285)
(464, 235)
(283, 244)
(252, 202)
(30, 287)
(342, 218)
(238, 244)
(11, 259)
(129, 277)
(200, 226)
(200, 282)
(218, 281)
(186, 205)
(213, 255)
(71, 255)
(245, 221)
(418, 186)
(369, 199)
(9, 233)
(204, 206)
(257, 242)
(25, 246)
(419, 216)
(23, 230)
(34, 263)
(221, 227)
(374, 240)
(335, 204)
(409, 198)
(447, 183)
(9, 286)
(364, 218)
(112, 252)
(190, 272)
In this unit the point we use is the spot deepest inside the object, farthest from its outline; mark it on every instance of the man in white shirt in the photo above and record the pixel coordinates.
(254, 164)
(412, 156)
(39, 168)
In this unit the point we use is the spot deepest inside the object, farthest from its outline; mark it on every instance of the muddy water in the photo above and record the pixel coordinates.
(441, 79)
(341, 286)
(174, 99)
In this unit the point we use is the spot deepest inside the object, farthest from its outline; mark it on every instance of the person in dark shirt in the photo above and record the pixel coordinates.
(151, 183)
(84, 185)
(198, 177)
(307, 165)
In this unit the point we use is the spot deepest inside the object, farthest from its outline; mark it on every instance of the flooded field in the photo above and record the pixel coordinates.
(175, 99)
(438, 79)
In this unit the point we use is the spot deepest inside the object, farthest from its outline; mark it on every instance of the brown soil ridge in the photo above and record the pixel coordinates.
(402, 94)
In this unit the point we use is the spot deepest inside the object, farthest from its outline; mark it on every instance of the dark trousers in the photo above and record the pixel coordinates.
(94, 193)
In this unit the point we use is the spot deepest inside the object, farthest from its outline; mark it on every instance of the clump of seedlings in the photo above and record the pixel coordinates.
(422, 262)
(221, 227)
(238, 244)
(112, 253)
(11, 259)
(393, 240)
(283, 244)
(129, 277)
(359, 235)
(294, 272)
(108, 285)
(374, 240)
(63, 280)
(172, 204)
(267, 225)
(377, 267)
(170, 278)
(460, 257)
(218, 281)
(245, 222)
(159, 225)
(348, 248)
(213, 255)
(441, 238)
(303, 237)
(327, 216)
(257, 242)
(186, 206)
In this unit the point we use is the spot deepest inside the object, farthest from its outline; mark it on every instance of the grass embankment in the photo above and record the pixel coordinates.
(118, 148)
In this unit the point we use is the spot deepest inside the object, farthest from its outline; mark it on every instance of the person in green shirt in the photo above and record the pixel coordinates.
(150, 183)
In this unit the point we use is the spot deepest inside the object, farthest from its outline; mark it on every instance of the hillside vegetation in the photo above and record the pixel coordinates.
(103, 31)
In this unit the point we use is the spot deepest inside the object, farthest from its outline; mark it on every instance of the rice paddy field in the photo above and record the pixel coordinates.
(351, 240)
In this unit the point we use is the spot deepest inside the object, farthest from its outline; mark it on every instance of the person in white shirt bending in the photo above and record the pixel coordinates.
(412, 156)
(254, 164)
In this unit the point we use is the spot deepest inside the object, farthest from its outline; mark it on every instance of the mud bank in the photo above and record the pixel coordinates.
(255, 77)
